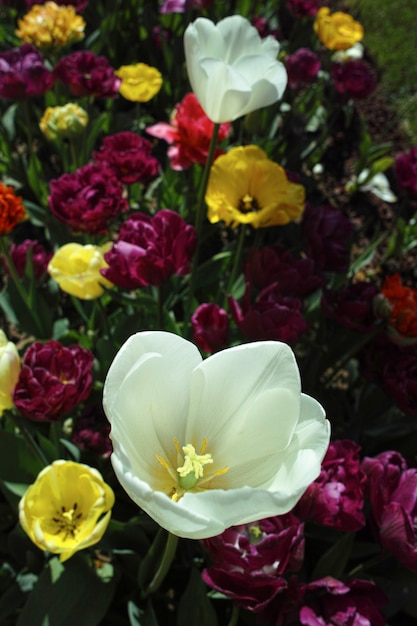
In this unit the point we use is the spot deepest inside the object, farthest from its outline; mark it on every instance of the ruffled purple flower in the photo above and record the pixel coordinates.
(271, 317)
(392, 491)
(23, 73)
(336, 497)
(53, 380)
(150, 249)
(210, 324)
(249, 560)
(406, 171)
(129, 155)
(86, 74)
(352, 306)
(354, 79)
(88, 199)
(302, 67)
(327, 233)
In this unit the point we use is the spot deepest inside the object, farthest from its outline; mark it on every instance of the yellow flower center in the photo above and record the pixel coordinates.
(190, 475)
(248, 204)
(67, 521)
(193, 468)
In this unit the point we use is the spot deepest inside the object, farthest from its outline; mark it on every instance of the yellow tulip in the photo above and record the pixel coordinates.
(49, 26)
(76, 269)
(337, 31)
(64, 121)
(140, 82)
(66, 509)
(9, 371)
(245, 187)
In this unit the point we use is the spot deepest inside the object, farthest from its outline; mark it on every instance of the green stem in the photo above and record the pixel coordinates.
(349, 354)
(237, 260)
(235, 616)
(164, 565)
(199, 220)
(160, 314)
(104, 319)
(18, 283)
(375, 560)
(28, 126)
(21, 426)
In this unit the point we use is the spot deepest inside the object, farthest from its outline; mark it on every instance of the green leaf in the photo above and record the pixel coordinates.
(19, 489)
(68, 594)
(195, 608)
(36, 179)
(333, 561)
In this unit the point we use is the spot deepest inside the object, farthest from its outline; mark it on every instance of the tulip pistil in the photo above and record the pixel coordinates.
(248, 204)
(193, 468)
(66, 522)
(190, 475)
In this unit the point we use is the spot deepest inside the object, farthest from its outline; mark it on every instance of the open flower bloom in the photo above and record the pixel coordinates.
(245, 187)
(67, 508)
(232, 70)
(9, 371)
(76, 269)
(50, 26)
(140, 82)
(205, 445)
(337, 31)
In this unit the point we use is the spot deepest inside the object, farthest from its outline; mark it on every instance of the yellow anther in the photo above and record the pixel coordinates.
(193, 462)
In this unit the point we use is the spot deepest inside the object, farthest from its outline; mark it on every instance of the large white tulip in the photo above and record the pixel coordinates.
(232, 70)
(202, 445)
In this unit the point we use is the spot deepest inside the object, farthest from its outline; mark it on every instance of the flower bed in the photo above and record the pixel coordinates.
(208, 361)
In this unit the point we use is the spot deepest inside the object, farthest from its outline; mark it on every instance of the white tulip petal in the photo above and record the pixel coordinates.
(240, 38)
(242, 408)
(227, 62)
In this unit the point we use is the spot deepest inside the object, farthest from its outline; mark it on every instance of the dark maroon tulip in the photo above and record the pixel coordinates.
(354, 79)
(210, 324)
(88, 199)
(336, 497)
(150, 249)
(327, 232)
(276, 264)
(329, 601)
(249, 560)
(53, 380)
(91, 431)
(23, 73)
(302, 67)
(271, 317)
(39, 255)
(352, 306)
(86, 74)
(130, 157)
(303, 8)
(392, 490)
(406, 171)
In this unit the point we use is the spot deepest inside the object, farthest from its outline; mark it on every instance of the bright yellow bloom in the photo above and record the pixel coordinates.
(76, 269)
(337, 31)
(49, 26)
(245, 187)
(67, 508)
(64, 121)
(140, 82)
(9, 371)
